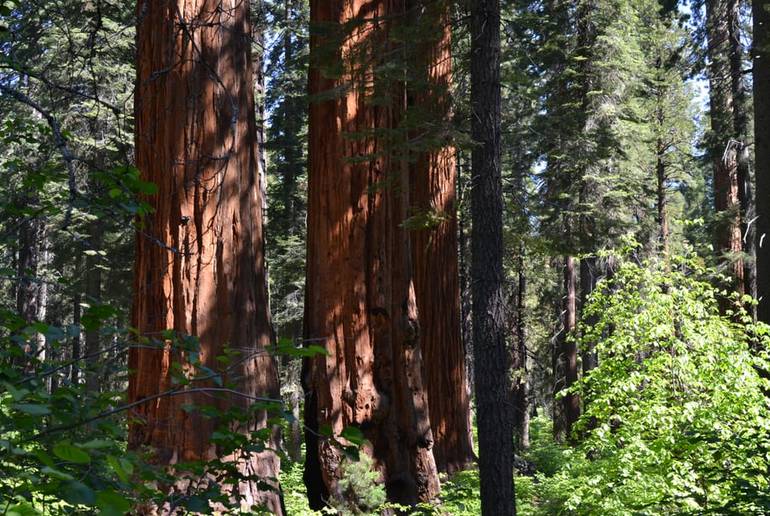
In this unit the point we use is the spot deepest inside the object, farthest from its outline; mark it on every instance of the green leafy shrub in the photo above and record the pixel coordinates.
(675, 417)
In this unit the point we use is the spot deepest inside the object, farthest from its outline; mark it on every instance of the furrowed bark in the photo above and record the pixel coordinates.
(360, 302)
(434, 250)
(494, 413)
(199, 256)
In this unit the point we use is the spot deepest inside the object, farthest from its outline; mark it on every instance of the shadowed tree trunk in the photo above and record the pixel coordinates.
(494, 412)
(522, 395)
(568, 348)
(434, 250)
(724, 148)
(360, 300)
(199, 257)
(761, 59)
(741, 134)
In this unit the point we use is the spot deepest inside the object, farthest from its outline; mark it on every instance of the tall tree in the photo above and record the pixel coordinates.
(434, 242)
(761, 58)
(494, 411)
(199, 255)
(360, 302)
(723, 146)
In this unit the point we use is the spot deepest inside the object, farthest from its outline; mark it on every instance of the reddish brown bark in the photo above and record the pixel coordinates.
(199, 261)
(434, 251)
(723, 147)
(360, 301)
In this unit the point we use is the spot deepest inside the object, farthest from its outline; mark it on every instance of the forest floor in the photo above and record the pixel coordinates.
(460, 492)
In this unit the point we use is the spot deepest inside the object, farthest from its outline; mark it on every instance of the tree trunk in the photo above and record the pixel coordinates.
(741, 131)
(434, 253)
(724, 148)
(660, 174)
(199, 257)
(568, 351)
(522, 389)
(30, 291)
(360, 300)
(494, 413)
(93, 292)
(589, 277)
(761, 59)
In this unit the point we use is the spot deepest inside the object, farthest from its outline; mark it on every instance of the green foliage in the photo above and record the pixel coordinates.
(676, 419)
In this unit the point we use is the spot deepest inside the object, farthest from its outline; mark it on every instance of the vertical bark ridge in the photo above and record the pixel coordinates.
(199, 261)
(360, 300)
(434, 249)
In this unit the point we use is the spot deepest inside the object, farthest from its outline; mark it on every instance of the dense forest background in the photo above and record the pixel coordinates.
(387, 256)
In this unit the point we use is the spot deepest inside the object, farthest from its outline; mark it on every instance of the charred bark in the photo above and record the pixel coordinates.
(199, 255)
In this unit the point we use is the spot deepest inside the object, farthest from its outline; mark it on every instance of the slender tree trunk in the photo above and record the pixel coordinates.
(465, 292)
(660, 174)
(761, 60)
(77, 299)
(522, 389)
(724, 148)
(30, 288)
(199, 259)
(741, 131)
(93, 293)
(434, 252)
(589, 277)
(360, 300)
(494, 413)
(568, 348)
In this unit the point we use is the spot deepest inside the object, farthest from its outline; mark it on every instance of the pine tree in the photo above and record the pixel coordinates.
(494, 414)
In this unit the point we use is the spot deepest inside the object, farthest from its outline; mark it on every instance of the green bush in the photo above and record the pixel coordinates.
(675, 416)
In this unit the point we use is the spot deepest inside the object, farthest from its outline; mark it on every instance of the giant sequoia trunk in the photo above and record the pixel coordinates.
(434, 251)
(199, 263)
(761, 55)
(494, 414)
(724, 148)
(360, 300)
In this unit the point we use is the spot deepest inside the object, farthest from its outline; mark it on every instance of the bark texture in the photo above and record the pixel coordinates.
(434, 249)
(199, 260)
(724, 148)
(494, 412)
(761, 59)
(360, 302)
(569, 352)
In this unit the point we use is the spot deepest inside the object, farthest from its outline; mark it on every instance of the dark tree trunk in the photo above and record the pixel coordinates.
(199, 258)
(568, 347)
(589, 277)
(724, 148)
(93, 293)
(761, 60)
(360, 300)
(494, 412)
(522, 395)
(741, 130)
(434, 251)
(660, 175)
